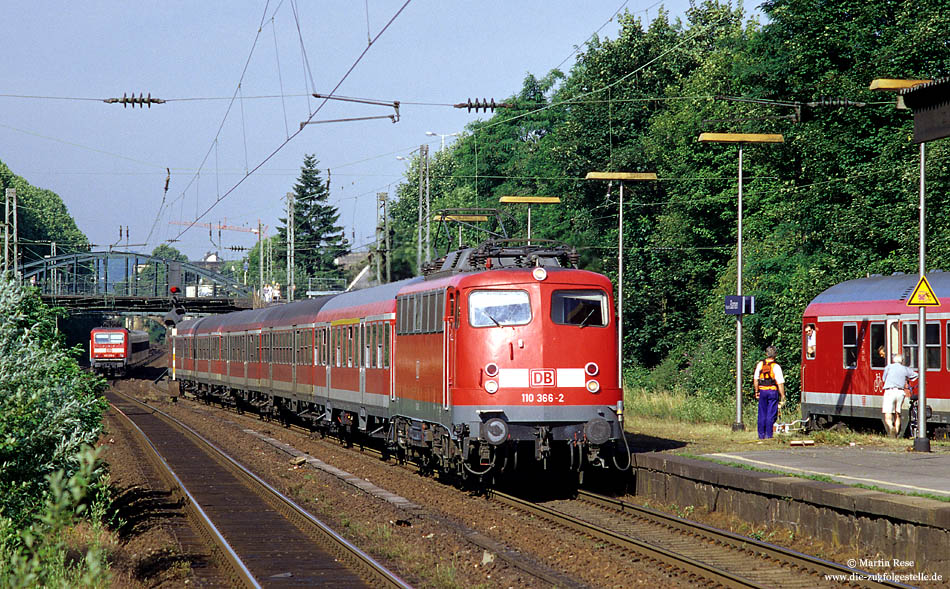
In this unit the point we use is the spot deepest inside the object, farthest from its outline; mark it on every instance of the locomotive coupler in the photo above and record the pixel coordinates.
(484, 454)
(542, 443)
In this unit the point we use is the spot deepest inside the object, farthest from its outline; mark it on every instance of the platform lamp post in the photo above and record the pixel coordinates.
(740, 139)
(620, 177)
(930, 123)
(530, 200)
(443, 136)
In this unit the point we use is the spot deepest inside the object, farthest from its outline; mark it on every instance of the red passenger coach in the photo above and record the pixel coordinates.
(497, 356)
(114, 351)
(858, 325)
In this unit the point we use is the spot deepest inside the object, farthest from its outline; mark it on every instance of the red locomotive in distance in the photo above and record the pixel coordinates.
(850, 332)
(114, 351)
(501, 357)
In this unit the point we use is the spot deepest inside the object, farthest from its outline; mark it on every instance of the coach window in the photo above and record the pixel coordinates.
(386, 345)
(850, 342)
(367, 345)
(911, 343)
(878, 346)
(948, 345)
(584, 308)
(348, 340)
(933, 345)
(326, 346)
(810, 344)
(497, 308)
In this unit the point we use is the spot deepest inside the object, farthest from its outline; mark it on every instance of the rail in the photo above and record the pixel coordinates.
(788, 560)
(376, 574)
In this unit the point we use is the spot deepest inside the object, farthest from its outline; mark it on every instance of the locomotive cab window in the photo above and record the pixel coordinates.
(849, 340)
(498, 308)
(584, 308)
(109, 338)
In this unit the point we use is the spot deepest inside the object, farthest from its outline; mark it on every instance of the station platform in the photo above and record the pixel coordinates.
(920, 473)
(869, 503)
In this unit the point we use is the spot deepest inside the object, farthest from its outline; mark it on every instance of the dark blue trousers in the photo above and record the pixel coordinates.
(768, 412)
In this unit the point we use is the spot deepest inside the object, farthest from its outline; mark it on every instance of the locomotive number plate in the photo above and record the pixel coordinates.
(542, 377)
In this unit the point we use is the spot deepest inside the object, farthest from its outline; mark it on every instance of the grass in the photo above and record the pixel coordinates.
(689, 424)
(692, 426)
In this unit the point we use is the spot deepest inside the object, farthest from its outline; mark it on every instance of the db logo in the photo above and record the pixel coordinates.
(542, 377)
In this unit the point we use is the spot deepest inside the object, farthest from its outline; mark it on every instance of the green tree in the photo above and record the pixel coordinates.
(42, 220)
(167, 252)
(836, 201)
(318, 240)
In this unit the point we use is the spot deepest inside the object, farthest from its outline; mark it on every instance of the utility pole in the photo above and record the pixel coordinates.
(16, 240)
(425, 155)
(260, 258)
(52, 254)
(6, 230)
(10, 255)
(380, 208)
(422, 149)
(290, 246)
(386, 230)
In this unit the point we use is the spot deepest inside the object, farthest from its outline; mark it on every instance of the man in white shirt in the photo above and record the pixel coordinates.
(896, 376)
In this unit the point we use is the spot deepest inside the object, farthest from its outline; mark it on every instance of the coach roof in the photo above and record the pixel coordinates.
(896, 287)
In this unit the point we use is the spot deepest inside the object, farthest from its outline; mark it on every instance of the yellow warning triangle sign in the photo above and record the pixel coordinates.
(923, 295)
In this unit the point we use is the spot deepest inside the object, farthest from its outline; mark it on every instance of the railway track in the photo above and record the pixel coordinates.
(707, 554)
(264, 537)
(710, 554)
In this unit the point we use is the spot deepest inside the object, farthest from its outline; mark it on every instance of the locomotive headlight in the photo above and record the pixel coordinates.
(539, 273)
(592, 369)
(491, 369)
(593, 386)
(491, 386)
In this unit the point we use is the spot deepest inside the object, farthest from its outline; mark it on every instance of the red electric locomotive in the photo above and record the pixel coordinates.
(502, 354)
(114, 351)
(849, 333)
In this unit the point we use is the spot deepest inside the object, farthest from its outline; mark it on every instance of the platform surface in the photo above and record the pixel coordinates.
(906, 472)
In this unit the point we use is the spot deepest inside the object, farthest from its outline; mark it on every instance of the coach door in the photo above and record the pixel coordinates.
(268, 376)
(362, 350)
(295, 341)
(449, 337)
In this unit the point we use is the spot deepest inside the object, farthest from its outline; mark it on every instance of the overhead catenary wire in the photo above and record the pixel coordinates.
(312, 114)
(227, 111)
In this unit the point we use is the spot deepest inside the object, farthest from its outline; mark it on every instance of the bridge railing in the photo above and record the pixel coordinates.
(127, 274)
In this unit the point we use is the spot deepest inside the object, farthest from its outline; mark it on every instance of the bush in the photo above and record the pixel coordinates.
(49, 407)
(52, 552)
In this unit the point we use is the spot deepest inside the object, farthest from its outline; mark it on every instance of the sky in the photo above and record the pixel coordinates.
(237, 77)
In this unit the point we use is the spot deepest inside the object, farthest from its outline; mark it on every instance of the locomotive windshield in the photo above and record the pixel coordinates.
(489, 308)
(109, 338)
(586, 308)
